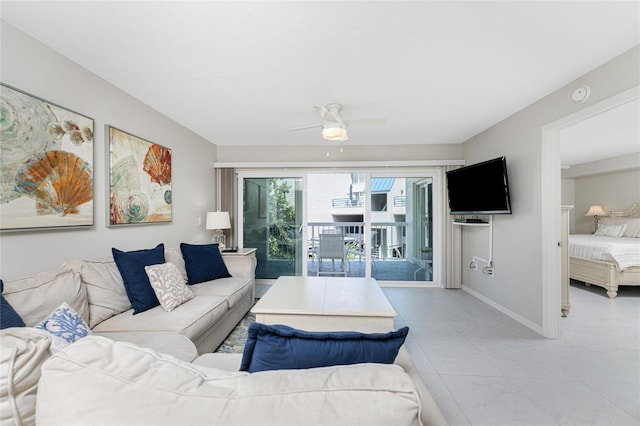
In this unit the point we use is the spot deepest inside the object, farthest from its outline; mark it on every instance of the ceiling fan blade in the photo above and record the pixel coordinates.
(304, 127)
(324, 113)
(367, 122)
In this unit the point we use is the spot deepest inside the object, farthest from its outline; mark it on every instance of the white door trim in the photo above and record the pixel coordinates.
(550, 175)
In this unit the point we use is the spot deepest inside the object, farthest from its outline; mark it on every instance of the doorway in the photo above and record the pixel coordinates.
(550, 205)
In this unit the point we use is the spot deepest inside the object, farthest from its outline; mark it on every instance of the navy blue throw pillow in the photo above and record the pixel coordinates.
(279, 347)
(131, 266)
(203, 262)
(8, 316)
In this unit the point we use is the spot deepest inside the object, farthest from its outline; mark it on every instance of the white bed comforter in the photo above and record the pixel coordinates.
(625, 252)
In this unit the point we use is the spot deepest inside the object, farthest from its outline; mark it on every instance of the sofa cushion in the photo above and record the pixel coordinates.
(275, 347)
(84, 383)
(191, 319)
(174, 255)
(234, 289)
(168, 285)
(8, 316)
(105, 288)
(131, 266)
(35, 297)
(65, 327)
(203, 262)
(22, 352)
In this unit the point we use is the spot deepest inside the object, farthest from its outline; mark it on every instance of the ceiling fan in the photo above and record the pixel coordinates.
(334, 128)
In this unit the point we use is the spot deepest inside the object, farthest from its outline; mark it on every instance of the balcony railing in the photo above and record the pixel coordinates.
(346, 202)
(391, 257)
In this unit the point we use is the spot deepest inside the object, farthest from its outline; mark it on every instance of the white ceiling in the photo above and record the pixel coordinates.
(611, 133)
(242, 73)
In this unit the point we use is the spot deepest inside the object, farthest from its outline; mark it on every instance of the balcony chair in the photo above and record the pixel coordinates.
(331, 246)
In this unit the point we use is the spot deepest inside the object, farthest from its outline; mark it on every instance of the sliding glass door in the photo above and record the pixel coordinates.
(387, 222)
(272, 223)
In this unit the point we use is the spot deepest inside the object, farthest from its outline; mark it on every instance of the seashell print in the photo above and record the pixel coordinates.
(59, 180)
(157, 164)
(69, 126)
(124, 175)
(87, 134)
(23, 131)
(56, 131)
(128, 207)
(76, 137)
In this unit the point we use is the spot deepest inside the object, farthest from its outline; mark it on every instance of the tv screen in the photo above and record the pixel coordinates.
(481, 188)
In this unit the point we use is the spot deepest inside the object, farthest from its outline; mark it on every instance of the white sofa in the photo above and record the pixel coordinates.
(94, 289)
(145, 368)
(99, 381)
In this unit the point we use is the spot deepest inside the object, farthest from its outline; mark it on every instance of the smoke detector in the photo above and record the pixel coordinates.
(581, 94)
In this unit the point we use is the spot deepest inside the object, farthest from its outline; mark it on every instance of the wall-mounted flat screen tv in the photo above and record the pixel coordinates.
(481, 188)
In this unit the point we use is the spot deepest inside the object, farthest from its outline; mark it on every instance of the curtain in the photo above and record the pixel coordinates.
(452, 242)
(226, 184)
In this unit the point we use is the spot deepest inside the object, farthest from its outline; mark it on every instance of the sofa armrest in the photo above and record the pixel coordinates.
(241, 266)
(431, 414)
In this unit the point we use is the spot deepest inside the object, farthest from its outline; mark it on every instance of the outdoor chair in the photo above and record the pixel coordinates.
(357, 249)
(331, 247)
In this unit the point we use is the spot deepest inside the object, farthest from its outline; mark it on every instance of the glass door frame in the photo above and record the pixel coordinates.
(265, 174)
(439, 215)
(438, 220)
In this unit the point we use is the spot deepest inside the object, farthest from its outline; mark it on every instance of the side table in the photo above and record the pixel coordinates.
(241, 252)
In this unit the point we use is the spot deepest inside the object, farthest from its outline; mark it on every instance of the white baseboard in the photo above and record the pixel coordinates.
(522, 320)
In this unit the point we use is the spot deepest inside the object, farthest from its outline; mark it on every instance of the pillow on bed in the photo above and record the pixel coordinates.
(611, 230)
(633, 225)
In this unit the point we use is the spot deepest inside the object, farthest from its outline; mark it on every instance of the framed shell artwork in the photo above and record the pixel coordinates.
(139, 180)
(46, 164)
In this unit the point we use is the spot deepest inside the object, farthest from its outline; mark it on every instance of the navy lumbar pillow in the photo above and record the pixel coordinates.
(136, 281)
(278, 347)
(203, 262)
(8, 316)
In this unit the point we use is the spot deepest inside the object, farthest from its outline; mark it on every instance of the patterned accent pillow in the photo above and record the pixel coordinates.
(611, 230)
(65, 326)
(168, 284)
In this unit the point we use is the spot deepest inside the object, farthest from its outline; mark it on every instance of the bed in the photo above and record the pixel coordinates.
(607, 259)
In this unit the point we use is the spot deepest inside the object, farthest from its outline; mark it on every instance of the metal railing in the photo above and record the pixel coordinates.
(388, 239)
(347, 202)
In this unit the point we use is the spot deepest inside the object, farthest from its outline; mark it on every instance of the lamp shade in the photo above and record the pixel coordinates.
(218, 220)
(596, 211)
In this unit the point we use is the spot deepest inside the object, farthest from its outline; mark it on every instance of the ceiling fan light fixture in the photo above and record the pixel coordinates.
(334, 133)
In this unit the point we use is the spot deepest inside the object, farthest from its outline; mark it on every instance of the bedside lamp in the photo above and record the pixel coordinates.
(596, 211)
(218, 221)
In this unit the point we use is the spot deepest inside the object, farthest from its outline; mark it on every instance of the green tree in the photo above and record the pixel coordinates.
(282, 216)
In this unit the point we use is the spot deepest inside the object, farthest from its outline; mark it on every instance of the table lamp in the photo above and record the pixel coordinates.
(218, 221)
(596, 211)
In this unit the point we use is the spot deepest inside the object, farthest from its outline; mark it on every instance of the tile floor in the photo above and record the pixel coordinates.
(484, 368)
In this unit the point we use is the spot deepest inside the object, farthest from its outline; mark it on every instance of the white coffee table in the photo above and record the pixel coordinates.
(326, 304)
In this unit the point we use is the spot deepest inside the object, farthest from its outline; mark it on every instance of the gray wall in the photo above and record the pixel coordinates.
(517, 285)
(613, 191)
(38, 70)
(397, 152)
(613, 183)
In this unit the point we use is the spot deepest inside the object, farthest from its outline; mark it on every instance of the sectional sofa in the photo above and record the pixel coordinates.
(157, 367)
(95, 289)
